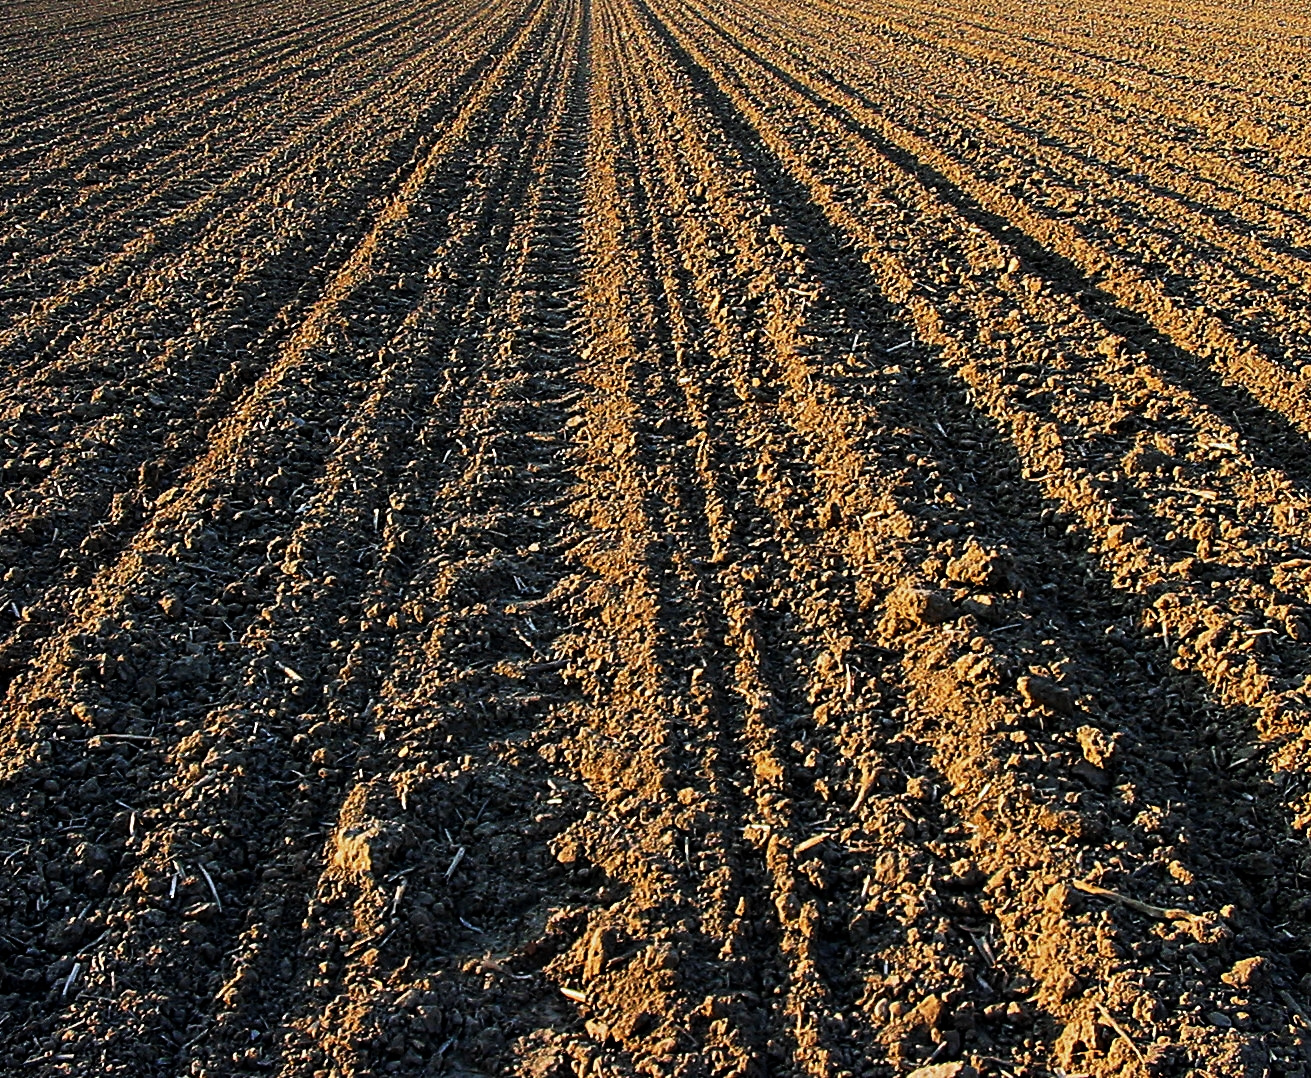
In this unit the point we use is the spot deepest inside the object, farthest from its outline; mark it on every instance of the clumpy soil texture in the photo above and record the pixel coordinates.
(655, 537)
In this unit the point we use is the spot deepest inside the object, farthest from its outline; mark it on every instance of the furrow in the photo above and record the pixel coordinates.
(206, 599)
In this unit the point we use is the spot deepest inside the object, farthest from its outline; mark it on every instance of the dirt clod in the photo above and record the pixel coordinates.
(1044, 693)
(914, 608)
(1099, 748)
(1247, 972)
(990, 570)
(944, 1070)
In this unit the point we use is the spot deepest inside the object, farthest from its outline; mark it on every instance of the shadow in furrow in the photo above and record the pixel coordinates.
(1275, 442)
(212, 384)
(1198, 784)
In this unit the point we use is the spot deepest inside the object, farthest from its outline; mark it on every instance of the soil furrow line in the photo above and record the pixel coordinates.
(476, 673)
(109, 209)
(1057, 999)
(203, 584)
(75, 501)
(1078, 487)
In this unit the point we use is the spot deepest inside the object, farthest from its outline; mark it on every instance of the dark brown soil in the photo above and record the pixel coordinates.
(655, 537)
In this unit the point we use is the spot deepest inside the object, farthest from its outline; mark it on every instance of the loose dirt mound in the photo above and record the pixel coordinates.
(655, 537)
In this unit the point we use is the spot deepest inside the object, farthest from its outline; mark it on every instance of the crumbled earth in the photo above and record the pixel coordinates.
(655, 537)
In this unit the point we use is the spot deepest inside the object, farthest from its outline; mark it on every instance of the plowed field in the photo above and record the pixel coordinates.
(655, 537)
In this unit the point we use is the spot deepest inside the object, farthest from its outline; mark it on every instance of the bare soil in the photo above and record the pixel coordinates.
(655, 537)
